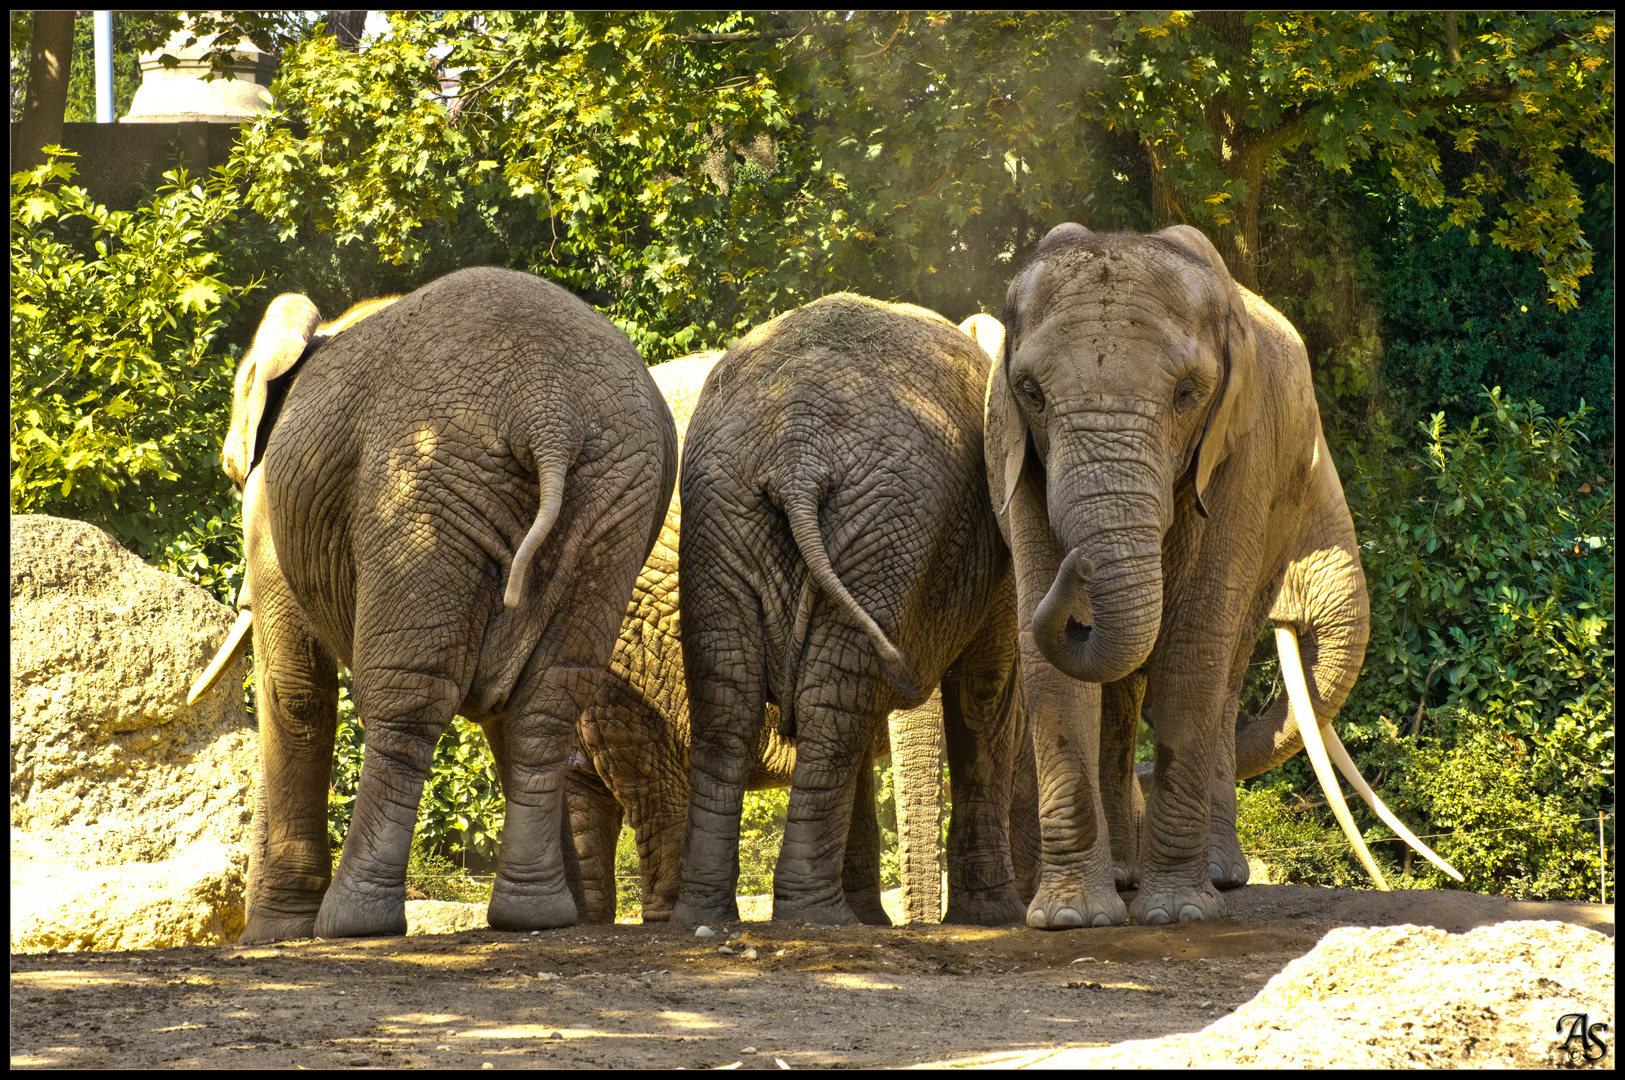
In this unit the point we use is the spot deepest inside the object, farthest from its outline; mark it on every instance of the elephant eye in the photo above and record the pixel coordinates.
(1031, 393)
(1185, 395)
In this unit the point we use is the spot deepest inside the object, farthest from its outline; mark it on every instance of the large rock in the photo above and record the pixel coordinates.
(129, 810)
(1399, 997)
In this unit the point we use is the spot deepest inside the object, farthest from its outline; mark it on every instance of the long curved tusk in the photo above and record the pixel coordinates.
(1297, 688)
(229, 653)
(1345, 765)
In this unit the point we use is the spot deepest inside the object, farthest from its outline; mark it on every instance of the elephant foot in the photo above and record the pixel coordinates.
(1226, 863)
(653, 914)
(838, 913)
(1156, 904)
(375, 911)
(516, 906)
(1125, 875)
(868, 909)
(262, 927)
(1064, 903)
(689, 913)
(991, 907)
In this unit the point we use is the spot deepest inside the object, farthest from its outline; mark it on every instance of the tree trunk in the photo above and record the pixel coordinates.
(1237, 239)
(47, 101)
(346, 27)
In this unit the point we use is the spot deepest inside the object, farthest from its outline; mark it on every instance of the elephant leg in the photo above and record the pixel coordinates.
(1075, 886)
(1125, 808)
(1026, 852)
(836, 716)
(408, 685)
(296, 706)
(982, 723)
(531, 891)
(1227, 864)
(726, 670)
(594, 830)
(915, 741)
(860, 869)
(1175, 880)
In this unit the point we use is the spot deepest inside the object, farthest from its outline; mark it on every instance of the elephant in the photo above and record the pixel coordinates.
(1155, 453)
(631, 753)
(839, 559)
(452, 498)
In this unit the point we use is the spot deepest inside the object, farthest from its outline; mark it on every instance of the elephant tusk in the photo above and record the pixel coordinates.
(1297, 688)
(1345, 765)
(229, 653)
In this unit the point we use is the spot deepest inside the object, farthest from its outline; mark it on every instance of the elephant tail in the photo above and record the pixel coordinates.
(802, 512)
(552, 485)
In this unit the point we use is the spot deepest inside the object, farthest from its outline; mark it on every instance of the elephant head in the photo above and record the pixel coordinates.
(1127, 368)
(292, 326)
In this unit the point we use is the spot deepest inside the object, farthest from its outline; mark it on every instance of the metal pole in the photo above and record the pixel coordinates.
(102, 33)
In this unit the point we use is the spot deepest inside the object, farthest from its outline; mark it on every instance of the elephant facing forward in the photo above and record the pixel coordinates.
(452, 498)
(839, 558)
(1155, 450)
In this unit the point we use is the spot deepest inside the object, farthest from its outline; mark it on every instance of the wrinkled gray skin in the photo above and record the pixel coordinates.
(839, 558)
(631, 755)
(405, 470)
(1140, 387)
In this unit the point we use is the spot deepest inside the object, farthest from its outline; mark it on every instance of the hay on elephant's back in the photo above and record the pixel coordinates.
(844, 324)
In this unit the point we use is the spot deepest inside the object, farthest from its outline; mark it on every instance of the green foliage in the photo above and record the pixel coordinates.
(1489, 564)
(1458, 314)
(462, 807)
(1298, 847)
(601, 124)
(432, 876)
(1521, 825)
(119, 396)
(761, 832)
(82, 75)
(628, 876)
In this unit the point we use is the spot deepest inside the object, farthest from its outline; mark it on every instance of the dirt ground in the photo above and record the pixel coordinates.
(658, 997)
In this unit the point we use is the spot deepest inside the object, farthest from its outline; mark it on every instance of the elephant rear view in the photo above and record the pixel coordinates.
(840, 558)
(452, 498)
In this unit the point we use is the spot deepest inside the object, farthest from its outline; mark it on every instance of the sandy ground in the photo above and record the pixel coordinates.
(658, 997)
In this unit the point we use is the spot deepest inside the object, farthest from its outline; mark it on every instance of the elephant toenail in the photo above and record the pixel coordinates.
(1037, 919)
(1068, 917)
(1156, 917)
(1189, 912)
(1102, 919)
(1213, 870)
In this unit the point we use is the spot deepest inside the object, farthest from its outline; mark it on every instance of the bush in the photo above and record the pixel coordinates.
(1520, 828)
(761, 833)
(1278, 827)
(120, 396)
(431, 876)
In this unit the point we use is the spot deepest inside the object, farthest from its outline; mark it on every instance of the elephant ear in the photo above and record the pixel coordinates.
(987, 332)
(1025, 299)
(1005, 428)
(1234, 409)
(289, 323)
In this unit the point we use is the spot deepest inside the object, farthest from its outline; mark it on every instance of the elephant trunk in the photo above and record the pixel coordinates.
(1098, 625)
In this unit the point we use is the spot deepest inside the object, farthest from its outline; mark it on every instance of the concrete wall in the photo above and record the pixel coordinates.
(116, 160)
